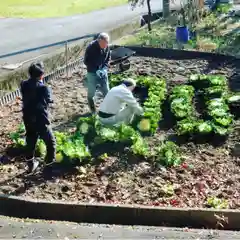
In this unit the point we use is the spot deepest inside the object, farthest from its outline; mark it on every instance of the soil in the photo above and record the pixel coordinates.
(208, 171)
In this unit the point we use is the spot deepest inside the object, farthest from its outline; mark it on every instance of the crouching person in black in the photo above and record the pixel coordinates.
(36, 99)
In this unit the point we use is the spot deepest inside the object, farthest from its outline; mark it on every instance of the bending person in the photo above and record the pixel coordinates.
(119, 105)
(97, 57)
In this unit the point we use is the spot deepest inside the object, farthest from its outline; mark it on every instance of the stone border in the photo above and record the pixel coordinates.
(119, 214)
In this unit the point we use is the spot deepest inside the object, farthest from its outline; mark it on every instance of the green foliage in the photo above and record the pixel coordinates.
(168, 189)
(224, 8)
(157, 38)
(234, 98)
(217, 80)
(53, 8)
(217, 108)
(217, 203)
(75, 150)
(186, 126)
(122, 133)
(85, 125)
(168, 154)
(140, 146)
(152, 106)
(127, 133)
(215, 91)
(212, 35)
(17, 137)
(181, 108)
(215, 83)
(204, 127)
(182, 91)
(181, 101)
(221, 131)
(70, 147)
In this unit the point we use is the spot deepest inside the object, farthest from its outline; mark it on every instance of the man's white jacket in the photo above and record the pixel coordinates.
(117, 98)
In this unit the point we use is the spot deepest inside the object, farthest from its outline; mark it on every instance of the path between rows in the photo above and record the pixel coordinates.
(12, 228)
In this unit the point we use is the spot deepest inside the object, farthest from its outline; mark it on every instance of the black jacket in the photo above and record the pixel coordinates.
(36, 98)
(96, 58)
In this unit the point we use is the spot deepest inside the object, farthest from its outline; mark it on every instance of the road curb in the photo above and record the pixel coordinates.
(119, 214)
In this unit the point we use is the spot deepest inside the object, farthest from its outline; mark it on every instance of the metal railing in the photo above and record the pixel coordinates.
(10, 97)
(61, 43)
(67, 68)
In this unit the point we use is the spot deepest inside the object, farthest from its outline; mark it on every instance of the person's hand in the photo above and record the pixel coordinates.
(101, 73)
(104, 71)
(98, 72)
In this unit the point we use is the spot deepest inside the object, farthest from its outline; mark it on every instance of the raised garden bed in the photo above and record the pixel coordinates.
(205, 175)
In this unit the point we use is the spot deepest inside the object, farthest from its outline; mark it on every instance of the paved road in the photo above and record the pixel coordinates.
(18, 34)
(35, 229)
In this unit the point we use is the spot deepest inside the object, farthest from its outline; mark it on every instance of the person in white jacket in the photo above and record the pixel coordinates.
(119, 105)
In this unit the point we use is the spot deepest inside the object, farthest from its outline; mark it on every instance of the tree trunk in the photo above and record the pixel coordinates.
(166, 8)
(149, 16)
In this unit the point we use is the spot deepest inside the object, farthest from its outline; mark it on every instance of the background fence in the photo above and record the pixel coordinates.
(65, 68)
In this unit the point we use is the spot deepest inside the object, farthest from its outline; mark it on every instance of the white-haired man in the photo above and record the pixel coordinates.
(119, 105)
(97, 57)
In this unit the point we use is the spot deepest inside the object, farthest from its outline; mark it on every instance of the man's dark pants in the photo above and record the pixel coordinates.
(36, 130)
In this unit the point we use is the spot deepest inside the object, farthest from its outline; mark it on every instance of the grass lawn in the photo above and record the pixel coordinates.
(52, 8)
(214, 33)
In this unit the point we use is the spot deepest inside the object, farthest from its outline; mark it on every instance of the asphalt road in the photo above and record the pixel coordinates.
(35, 229)
(19, 34)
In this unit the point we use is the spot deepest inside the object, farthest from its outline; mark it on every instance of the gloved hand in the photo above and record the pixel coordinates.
(101, 73)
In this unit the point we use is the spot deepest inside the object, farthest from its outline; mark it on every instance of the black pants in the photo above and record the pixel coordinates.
(34, 131)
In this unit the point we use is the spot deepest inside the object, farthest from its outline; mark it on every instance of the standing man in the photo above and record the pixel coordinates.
(119, 105)
(36, 99)
(97, 57)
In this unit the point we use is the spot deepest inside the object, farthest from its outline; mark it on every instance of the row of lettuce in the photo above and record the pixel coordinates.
(218, 106)
(79, 146)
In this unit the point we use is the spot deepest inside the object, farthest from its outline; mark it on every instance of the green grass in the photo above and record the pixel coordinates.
(52, 8)
(215, 34)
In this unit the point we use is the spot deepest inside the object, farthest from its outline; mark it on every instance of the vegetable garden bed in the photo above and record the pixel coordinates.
(166, 166)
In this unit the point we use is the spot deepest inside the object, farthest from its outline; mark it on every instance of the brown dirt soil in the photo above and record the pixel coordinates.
(207, 170)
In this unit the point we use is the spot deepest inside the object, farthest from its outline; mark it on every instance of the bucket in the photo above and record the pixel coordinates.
(182, 34)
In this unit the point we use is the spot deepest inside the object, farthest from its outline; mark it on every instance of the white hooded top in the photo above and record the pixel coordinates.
(117, 98)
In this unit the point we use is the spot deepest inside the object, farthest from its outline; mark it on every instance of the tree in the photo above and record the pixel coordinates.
(134, 3)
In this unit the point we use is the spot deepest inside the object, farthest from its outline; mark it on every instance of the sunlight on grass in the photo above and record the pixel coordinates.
(213, 35)
(52, 8)
(161, 34)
